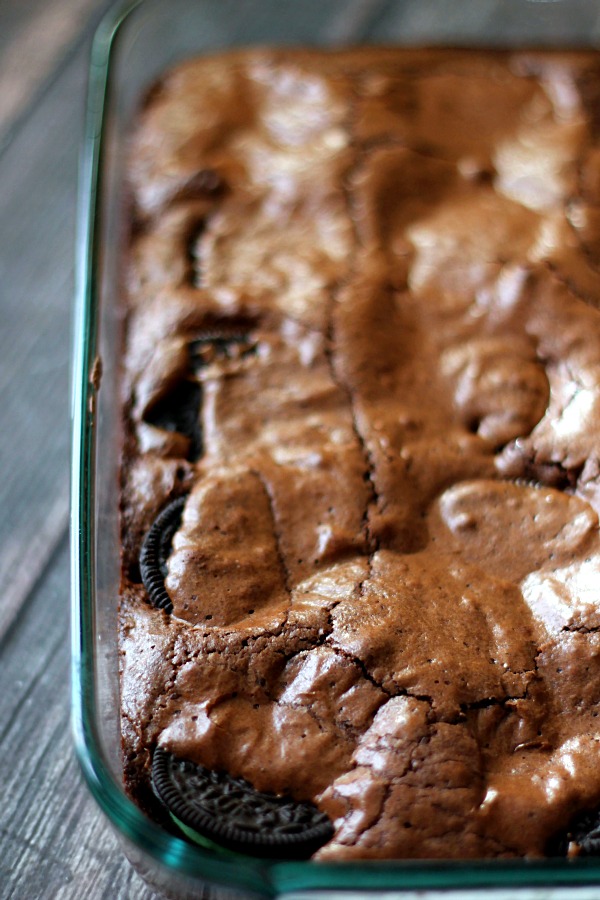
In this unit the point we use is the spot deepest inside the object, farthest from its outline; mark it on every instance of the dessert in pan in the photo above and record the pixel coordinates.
(360, 611)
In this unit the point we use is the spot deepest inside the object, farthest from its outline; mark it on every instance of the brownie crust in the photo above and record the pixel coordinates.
(364, 343)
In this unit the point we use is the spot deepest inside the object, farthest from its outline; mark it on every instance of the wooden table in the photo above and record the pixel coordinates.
(54, 842)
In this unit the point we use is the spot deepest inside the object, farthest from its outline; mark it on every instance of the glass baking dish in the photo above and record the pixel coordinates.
(133, 45)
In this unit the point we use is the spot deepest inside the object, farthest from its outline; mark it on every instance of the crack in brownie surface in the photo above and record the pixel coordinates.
(385, 581)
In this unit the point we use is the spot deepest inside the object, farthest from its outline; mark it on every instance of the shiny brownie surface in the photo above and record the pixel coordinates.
(364, 345)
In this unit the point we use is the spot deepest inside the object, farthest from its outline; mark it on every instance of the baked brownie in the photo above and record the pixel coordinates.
(364, 350)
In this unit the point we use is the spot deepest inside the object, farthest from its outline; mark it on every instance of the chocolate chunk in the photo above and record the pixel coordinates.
(155, 553)
(230, 812)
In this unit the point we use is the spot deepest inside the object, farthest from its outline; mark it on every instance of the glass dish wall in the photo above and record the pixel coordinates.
(132, 47)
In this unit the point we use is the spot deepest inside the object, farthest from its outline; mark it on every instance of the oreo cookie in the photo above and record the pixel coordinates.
(179, 410)
(220, 343)
(155, 553)
(582, 838)
(214, 807)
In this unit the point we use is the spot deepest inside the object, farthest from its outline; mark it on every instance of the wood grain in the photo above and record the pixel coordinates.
(53, 841)
(38, 184)
(500, 22)
(34, 36)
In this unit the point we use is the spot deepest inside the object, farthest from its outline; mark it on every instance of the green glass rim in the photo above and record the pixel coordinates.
(172, 852)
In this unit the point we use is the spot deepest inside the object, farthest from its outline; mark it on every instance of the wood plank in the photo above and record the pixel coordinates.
(445, 20)
(53, 841)
(352, 19)
(34, 35)
(490, 22)
(574, 22)
(38, 183)
(21, 579)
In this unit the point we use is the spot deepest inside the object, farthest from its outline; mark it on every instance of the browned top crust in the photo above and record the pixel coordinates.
(386, 583)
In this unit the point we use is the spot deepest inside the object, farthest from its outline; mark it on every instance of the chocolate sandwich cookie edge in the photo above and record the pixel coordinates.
(204, 829)
(164, 527)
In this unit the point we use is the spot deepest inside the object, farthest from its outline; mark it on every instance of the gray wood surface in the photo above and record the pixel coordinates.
(34, 35)
(54, 843)
(38, 175)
